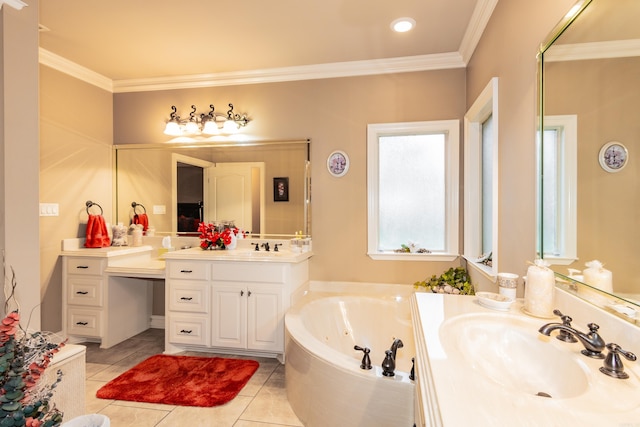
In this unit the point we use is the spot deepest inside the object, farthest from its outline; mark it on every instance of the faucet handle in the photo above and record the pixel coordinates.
(566, 321)
(613, 364)
(366, 360)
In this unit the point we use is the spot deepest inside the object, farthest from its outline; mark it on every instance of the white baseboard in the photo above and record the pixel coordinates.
(157, 322)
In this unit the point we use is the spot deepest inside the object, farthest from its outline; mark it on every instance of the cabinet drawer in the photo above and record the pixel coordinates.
(250, 272)
(84, 322)
(189, 330)
(84, 291)
(85, 266)
(189, 270)
(189, 296)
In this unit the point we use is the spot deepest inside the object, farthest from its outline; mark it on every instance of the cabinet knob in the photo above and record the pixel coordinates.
(249, 294)
(241, 293)
(186, 298)
(184, 331)
(82, 292)
(82, 267)
(186, 271)
(82, 323)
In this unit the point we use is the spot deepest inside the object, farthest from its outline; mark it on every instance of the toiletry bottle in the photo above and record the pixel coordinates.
(539, 292)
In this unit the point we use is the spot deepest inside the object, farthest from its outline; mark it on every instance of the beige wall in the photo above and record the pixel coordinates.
(607, 202)
(334, 114)
(75, 166)
(508, 50)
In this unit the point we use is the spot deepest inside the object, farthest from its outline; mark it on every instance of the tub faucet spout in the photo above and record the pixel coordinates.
(592, 341)
(397, 343)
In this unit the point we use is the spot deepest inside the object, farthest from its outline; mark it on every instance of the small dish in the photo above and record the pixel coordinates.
(494, 301)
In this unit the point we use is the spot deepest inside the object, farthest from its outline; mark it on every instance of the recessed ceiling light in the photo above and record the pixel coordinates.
(402, 25)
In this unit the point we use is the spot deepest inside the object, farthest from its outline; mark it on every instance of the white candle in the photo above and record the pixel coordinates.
(597, 276)
(539, 292)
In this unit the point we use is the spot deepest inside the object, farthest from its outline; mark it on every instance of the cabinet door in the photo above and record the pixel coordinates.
(265, 318)
(229, 316)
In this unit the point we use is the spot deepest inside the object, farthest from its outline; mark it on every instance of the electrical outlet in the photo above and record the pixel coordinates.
(159, 209)
(49, 209)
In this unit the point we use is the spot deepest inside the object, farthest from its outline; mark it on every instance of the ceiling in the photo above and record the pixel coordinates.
(133, 42)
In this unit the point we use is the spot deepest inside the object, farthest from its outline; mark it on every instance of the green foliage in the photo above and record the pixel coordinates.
(454, 280)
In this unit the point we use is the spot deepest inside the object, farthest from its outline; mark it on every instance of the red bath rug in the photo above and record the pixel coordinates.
(181, 380)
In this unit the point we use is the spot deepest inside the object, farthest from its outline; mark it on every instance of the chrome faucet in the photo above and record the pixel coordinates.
(397, 343)
(592, 341)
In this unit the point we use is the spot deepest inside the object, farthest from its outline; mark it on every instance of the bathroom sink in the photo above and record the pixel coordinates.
(509, 351)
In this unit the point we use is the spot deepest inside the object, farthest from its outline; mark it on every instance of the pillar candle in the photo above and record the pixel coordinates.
(539, 293)
(597, 276)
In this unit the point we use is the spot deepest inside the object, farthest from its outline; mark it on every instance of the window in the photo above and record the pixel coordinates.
(558, 217)
(481, 181)
(412, 171)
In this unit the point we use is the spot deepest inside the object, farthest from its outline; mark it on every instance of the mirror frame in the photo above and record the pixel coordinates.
(306, 231)
(594, 295)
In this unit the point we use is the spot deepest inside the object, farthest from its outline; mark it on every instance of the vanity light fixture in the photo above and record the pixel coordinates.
(211, 123)
(402, 25)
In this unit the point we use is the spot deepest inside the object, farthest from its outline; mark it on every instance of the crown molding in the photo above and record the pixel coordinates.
(306, 72)
(63, 65)
(593, 50)
(479, 20)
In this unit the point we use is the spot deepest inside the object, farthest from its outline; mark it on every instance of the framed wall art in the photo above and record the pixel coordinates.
(281, 189)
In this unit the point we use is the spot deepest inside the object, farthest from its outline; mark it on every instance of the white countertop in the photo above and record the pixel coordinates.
(464, 396)
(245, 254)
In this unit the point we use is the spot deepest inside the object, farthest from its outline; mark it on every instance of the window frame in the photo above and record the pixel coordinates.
(568, 188)
(485, 106)
(451, 129)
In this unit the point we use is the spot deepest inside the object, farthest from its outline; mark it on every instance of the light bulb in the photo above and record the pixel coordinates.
(210, 128)
(172, 129)
(230, 126)
(192, 127)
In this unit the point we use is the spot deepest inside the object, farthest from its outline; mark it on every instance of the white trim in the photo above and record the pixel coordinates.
(479, 20)
(484, 106)
(16, 4)
(63, 65)
(593, 50)
(452, 148)
(405, 64)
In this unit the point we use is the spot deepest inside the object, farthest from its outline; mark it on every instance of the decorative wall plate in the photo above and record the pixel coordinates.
(613, 156)
(338, 163)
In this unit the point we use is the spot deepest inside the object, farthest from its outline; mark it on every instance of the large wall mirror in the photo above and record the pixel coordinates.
(589, 94)
(262, 187)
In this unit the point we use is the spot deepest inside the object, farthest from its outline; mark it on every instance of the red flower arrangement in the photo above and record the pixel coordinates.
(24, 400)
(214, 236)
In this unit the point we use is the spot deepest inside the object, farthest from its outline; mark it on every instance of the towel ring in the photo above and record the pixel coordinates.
(134, 205)
(90, 204)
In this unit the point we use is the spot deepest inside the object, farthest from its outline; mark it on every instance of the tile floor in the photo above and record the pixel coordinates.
(261, 403)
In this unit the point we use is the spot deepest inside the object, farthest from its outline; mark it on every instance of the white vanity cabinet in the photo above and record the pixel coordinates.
(84, 295)
(107, 292)
(220, 303)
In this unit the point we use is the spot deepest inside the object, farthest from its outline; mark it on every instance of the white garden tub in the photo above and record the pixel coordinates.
(325, 384)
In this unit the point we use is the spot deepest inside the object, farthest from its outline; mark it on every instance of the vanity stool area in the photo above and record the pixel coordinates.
(226, 301)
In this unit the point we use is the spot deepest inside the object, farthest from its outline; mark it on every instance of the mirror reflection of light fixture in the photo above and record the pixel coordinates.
(211, 123)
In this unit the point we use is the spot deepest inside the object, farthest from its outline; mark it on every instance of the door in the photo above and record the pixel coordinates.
(234, 194)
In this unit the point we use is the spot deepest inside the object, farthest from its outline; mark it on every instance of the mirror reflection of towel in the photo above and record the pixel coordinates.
(97, 235)
(143, 220)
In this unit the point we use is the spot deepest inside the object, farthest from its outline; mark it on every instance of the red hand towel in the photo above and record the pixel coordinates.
(141, 219)
(97, 235)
